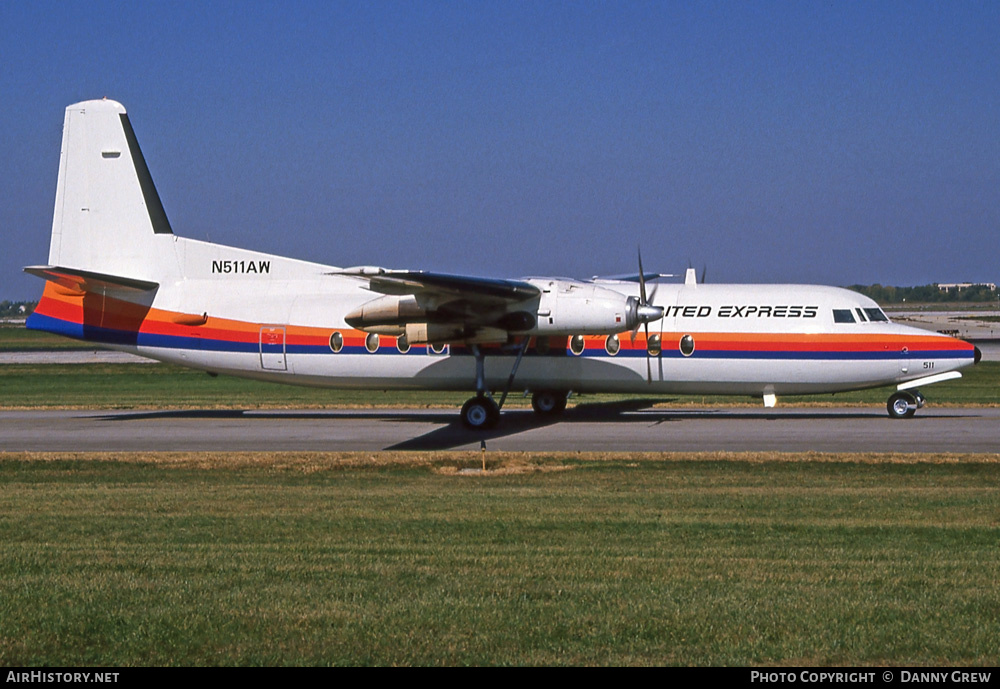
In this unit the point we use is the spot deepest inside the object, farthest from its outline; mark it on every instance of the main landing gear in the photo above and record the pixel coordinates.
(904, 404)
(482, 412)
(548, 403)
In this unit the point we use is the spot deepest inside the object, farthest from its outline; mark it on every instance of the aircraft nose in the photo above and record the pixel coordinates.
(978, 356)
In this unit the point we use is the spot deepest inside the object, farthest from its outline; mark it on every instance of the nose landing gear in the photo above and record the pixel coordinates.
(903, 405)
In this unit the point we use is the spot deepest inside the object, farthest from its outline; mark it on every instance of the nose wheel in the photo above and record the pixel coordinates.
(903, 405)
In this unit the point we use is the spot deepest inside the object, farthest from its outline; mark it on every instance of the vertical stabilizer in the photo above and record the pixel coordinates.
(108, 217)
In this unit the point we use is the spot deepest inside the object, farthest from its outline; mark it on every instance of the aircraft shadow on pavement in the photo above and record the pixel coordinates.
(630, 411)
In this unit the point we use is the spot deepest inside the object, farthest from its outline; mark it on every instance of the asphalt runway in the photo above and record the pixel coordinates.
(605, 428)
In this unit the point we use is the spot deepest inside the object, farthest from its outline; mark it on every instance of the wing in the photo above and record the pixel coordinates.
(440, 307)
(480, 289)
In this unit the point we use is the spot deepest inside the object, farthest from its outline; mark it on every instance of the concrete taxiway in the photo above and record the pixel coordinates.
(606, 428)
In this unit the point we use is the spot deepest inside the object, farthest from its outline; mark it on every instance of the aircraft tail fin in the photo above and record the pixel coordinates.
(108, 216)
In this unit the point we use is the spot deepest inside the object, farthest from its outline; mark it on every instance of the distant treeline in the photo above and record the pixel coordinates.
(16, 309)
(924, 293)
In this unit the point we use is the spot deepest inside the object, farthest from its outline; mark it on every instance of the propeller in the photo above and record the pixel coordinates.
(646, 313)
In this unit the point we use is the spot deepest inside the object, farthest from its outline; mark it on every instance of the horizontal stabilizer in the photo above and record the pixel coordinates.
(87, 281)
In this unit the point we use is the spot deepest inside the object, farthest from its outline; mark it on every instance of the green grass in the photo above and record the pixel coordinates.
(987, 319)
(17, 338)
(377, 560)
(128, 386)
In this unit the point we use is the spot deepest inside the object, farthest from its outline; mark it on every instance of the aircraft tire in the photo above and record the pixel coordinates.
(548, 403)
(902, 405)
(480, 413)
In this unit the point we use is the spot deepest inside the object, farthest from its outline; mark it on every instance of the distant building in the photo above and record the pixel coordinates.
(959, 286)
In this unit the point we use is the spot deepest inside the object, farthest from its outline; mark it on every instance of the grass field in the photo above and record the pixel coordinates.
(360, 559)
(130, 386)
(18, 338)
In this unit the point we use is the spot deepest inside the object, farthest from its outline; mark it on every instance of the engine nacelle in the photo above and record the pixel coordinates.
(567, 307)
(389, 310)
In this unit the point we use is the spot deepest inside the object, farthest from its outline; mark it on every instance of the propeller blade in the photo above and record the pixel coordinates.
(642, 280)
(644, 300)
(649, 369)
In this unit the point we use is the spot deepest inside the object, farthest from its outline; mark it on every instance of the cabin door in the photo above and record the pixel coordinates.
(272, 349)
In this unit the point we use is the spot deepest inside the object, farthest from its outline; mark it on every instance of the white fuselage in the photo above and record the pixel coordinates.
(273, 318)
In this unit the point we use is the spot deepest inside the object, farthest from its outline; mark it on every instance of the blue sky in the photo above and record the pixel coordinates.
(833, 142)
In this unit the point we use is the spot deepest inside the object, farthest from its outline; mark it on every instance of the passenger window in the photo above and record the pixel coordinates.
(336, 342)
(843, 316)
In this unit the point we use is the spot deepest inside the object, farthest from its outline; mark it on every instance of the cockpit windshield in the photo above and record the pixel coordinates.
(859, 315)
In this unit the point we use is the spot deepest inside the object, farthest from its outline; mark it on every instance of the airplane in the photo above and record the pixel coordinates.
(119, 277)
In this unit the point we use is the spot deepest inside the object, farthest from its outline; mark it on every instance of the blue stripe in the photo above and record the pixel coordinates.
(37, 321)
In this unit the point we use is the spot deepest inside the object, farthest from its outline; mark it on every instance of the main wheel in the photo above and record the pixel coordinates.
(480, 412)
(548, 403)
(902, 405)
